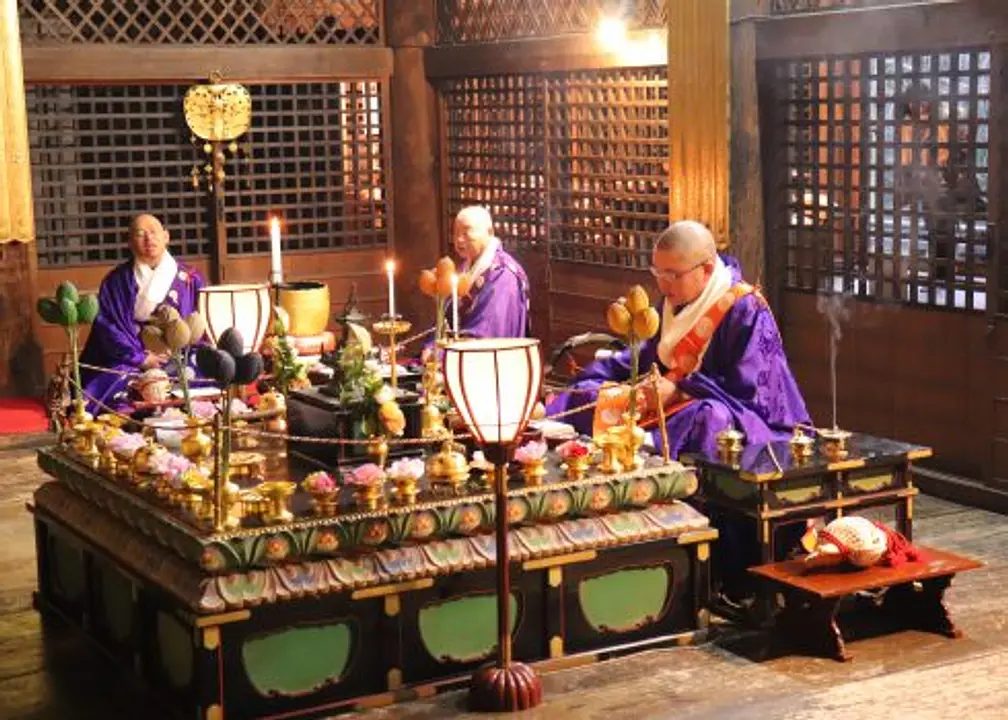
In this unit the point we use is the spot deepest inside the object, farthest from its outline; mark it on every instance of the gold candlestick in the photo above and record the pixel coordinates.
(391, 327)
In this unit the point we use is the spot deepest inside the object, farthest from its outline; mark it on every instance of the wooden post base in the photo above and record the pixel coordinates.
(922, 606)
(507, 689)
(810, 623)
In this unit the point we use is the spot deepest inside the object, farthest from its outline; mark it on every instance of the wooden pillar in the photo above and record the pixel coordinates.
(747, 215)
(17, 224)
(413, 122)
(699, 120)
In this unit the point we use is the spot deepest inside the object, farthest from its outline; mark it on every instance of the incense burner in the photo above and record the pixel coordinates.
(834, 443)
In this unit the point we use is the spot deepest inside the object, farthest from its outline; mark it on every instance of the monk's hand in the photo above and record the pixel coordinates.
(666, 390)
(154, 360)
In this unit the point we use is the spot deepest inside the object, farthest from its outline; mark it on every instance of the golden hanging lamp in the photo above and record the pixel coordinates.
(218, 112)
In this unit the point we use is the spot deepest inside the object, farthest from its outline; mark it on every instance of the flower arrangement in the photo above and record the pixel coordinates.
(70, 309)
(362, 390)
(320, 483)
(289, 373)
(168, 332)
(573, 449)
(126, 444)
(364, 476)
(407, 468)
(531, 452)
(633, 317)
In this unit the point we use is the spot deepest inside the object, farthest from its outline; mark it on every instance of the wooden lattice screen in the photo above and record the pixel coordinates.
(881, 171)
(202, 22)
(576, 158)
(100, 154)
(318, 160)
(476, 21)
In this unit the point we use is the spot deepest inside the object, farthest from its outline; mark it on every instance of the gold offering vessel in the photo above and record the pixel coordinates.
(577, 467)
(801, 446)
(278, 494)
(729, 444)
(534, 471)
(834, 442)
(448, 467)
(611, 446)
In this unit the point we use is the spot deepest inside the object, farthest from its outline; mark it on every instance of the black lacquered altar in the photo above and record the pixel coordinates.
(772, 487)
(316, 614)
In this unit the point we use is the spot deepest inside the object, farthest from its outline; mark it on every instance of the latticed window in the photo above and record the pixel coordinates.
(100, 154)
(575, 159)
(202, 22)
(476, 21)
(885, 168)
(318, 162)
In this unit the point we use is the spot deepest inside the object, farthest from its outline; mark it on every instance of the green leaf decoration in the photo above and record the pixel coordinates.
(68, 311)
(49, 310)
(67, 291)
(87, 309)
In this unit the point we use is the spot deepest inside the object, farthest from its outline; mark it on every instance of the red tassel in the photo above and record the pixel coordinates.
(899, 550)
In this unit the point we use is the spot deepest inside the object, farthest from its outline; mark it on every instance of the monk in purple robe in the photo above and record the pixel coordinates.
(720, 356)
(498, 302)
(127, 299)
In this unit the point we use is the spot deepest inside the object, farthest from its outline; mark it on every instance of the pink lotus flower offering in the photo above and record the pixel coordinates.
(530, 452)
(320, 482)
(573, 449)
(170, 466)
(127, 443)
(407, 468)
(364, 475)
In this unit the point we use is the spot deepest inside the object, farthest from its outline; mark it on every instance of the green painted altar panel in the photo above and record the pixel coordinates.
(298, 660)
(462, 629)
(626, 599)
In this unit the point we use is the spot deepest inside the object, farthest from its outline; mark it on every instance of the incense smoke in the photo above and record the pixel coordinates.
(834, 307)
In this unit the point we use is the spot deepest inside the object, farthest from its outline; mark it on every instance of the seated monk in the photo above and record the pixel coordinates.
(127, 298)
(498, 302)
(718, 350)
(722, 364)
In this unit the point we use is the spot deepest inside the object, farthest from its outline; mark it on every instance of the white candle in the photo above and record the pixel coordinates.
(454, 288)
(276, 269)
(390, 271)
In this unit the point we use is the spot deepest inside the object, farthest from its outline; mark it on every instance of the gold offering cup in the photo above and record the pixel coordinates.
(196, 444)
(834, 443)
(611, 445)
(249, 467)
(278, 494)
(85, 441)
(801, 446)
(533, 471)
(368, 496)
(325, 503)
(405, 488)
(253, 505)
(195, 486)
(577, 467)
(729, 445)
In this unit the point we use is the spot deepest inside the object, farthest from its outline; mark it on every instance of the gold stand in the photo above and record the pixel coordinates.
(391, 328)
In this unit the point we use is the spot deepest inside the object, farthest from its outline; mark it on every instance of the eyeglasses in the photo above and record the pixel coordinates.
(672, 275)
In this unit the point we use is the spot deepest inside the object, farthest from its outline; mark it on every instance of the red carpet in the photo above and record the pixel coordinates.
(18, 416)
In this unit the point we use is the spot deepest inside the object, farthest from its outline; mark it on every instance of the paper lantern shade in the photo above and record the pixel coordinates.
(494, 384)
(245, 307)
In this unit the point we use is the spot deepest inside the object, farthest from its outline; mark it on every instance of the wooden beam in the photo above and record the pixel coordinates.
(699, 123)
(747, 214)
(921, 27)
(414, 131)
(141, 64)
(644, 48)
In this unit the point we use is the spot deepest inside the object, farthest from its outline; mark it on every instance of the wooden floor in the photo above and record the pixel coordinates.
(49, 673)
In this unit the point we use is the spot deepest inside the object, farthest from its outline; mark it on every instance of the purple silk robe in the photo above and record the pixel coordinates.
(114, 340)
(498, 304)
(743, 382)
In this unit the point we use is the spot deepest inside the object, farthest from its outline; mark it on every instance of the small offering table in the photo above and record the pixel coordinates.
(320, 613)
(769, 486)
(913, 598)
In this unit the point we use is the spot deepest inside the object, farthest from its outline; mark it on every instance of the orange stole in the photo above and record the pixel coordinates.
(614, 399)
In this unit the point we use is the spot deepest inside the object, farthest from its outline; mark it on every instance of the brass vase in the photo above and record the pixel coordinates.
(534, 471)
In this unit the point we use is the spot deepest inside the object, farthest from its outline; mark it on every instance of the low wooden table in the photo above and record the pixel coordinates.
(914, 597)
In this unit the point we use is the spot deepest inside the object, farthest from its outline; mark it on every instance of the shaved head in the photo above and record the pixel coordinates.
(472, 231)
(688, 239)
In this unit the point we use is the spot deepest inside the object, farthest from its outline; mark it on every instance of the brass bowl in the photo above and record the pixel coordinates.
(307, 306)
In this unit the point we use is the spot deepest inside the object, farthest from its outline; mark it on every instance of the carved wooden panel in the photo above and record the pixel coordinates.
(201, 22)
(791, 7)
(575, 159)
(879, 175)
(476, 21)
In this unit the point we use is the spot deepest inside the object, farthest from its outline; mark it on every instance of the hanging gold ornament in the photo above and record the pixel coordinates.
(218, 112)
(233, 147)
